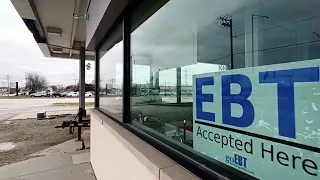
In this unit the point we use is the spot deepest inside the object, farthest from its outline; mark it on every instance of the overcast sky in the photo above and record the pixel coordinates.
(20, 53)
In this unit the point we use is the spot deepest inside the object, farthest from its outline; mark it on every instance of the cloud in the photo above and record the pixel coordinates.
(20, 53)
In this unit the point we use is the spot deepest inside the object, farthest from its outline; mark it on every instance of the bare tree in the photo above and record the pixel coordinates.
(36, 82)
(72, 88)
(54, 87)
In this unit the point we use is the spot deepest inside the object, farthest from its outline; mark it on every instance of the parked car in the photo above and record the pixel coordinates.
(88, 94)
(63, 94)
(21, 93)
(49, 93)
(72, 94)
(29, 93)
(39, 94)
(164, 94)
(56, 94)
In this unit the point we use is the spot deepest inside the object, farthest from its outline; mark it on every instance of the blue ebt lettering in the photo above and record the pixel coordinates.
(284, 81)
(237, 159)
(242, 99)
(200, 82)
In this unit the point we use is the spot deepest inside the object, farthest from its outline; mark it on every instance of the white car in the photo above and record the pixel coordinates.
(39, 94)
(72, 94)
(88, 94)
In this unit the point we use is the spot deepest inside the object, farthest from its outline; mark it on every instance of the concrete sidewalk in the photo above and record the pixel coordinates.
(64, 161)
(50, 168)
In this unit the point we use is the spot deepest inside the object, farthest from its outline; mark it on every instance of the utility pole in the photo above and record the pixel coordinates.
(112, 81)
(228, 24)
(165, 87)
(8, 77)
(25, 85)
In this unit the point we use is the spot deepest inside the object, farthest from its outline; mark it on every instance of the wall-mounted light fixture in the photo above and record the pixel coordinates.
(88, 66)
(77, 16)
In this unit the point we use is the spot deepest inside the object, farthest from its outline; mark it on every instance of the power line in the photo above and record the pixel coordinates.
(231, 14)
(266, 49)
(282, 25)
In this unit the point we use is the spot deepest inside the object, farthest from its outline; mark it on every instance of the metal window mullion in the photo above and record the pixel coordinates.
(126, 71)
(97, 80)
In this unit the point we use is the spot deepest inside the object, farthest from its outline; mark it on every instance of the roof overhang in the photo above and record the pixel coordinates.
(58, 26)
(102, 15)
(105, 15)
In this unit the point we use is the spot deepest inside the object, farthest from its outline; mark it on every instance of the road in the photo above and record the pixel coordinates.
(12, 107)
(27, 107)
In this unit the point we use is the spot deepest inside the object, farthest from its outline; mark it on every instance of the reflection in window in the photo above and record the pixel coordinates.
(111, 79)
(173, 45)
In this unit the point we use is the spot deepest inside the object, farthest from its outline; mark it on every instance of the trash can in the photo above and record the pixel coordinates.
(41, 115)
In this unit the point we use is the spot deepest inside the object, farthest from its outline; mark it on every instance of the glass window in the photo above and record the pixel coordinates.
(111, 73)
(236, 82)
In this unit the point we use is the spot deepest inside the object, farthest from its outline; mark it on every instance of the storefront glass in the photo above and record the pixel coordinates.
(235, 81)
(111, 73)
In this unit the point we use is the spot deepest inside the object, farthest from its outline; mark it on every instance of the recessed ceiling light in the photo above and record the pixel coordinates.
(57, 50)
(54, 31)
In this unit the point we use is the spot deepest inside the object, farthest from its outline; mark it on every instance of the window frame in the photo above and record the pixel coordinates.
(201, 167)
(108, 36)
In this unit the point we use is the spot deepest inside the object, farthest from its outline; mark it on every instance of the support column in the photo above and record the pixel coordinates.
(17, 89)
(178, 85)
(157, 85)
(152, 77)
(82, 84)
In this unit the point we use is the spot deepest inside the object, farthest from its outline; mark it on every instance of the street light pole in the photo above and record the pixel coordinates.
(252, 46)
(252, 35)
(231, 44)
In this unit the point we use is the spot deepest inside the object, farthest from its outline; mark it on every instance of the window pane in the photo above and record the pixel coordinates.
(111, 73)
(233, 81)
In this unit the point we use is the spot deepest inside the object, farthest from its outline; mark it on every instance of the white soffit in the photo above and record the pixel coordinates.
(45, 49)
(24, 9)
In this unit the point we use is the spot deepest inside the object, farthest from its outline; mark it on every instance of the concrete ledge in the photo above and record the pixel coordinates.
(176, 172)
(128, 155)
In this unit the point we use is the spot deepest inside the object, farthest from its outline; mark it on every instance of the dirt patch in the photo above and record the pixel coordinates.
(30, 136)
